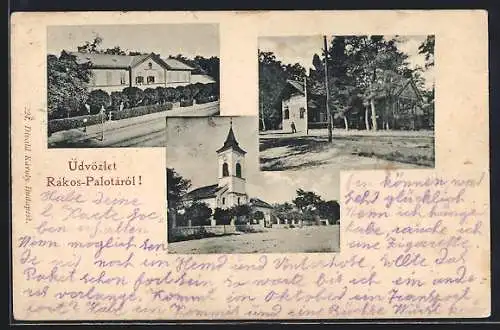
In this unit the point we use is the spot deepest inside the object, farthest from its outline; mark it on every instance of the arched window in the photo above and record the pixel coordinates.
(150, 65)
(302, 111)
(238, 170)
(223, 200)
(286, 113)
(238, 201)
(225, 169)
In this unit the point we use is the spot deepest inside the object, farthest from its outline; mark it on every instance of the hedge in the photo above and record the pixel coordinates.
(186, 103)
(56, 125)
(140, 111)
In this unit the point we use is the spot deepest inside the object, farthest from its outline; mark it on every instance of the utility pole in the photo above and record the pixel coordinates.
(328, 115)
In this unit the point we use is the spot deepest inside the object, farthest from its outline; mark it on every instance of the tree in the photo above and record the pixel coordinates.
(117, 98)
(329, 210)
(98, 99)
(198, 213)
(306, 200)
(241, 212)
(66, 85)
(223, 216)
(177, 187)
(150, 96)
(369, 59)
(91, 46)
(427, 48)
(258, 216)
(115, 51)
(135, 95)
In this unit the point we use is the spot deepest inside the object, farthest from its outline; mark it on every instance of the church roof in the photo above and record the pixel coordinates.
(203, 192)
(231, 143)
(260, 203)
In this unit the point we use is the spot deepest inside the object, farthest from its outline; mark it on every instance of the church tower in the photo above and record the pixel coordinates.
(232, 171)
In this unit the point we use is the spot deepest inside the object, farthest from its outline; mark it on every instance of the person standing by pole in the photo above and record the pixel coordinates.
(328, 114)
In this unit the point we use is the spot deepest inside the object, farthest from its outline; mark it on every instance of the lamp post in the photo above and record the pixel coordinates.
(102, 122)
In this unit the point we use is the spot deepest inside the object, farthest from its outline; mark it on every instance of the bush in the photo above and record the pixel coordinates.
(203, 99)
(186, 103)
(135, 95)
(57, 125)
(116, 99)
(98, 99)
(150, 96)
(141, 111)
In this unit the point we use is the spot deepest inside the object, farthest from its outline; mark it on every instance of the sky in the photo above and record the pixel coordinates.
(166, 39)
(301, 49)
(191, 150)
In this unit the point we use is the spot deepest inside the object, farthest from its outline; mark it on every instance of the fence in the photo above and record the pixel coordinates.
(186, 231)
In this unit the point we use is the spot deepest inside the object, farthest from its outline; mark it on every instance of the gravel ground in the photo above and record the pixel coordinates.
(295, 240)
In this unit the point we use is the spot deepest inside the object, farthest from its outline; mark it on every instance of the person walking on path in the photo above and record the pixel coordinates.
(294, 130)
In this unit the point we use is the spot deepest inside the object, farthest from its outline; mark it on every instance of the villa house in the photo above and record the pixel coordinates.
(113, 73)
(403, 108)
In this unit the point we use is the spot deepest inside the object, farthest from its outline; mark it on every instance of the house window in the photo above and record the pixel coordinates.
(139, 80)
(223, 200)
(151, 79)
(302, 111)
(238, 170)
(225, 169)
(123, 79)
(150, 65)
(286, 113)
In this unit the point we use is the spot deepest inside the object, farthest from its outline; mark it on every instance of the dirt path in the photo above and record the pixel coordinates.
(347, 152)
(295, 240)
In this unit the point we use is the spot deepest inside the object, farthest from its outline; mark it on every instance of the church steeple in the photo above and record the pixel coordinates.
(231, 142)
(232, 170)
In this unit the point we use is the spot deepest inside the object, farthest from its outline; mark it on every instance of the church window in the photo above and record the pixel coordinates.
(286, 113)
(225, 169)
(238, 201)
(223, 200)
(150, 65)
(302, 111)
(238, 170)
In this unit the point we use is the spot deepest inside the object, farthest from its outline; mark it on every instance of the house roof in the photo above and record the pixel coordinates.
(203, 192)
(405, 82)
(201, 78)
(108, 60)
(231, 142)
(297, 85)
(173, 64)
(126, 61)
(260, 203)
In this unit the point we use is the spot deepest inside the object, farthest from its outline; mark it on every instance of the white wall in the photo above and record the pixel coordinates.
(295, 103)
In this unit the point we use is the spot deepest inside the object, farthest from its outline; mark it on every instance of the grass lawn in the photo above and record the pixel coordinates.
(349, 150)
(313, 239)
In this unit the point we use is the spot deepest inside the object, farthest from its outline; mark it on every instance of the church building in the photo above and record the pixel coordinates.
(230, 189)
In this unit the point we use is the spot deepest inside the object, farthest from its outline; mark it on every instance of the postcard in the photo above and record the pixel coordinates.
(250, 165)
